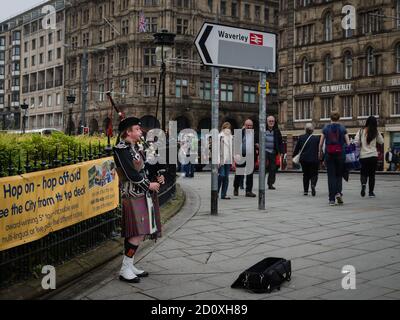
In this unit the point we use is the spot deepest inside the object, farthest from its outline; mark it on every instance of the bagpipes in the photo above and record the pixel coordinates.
(153, 169)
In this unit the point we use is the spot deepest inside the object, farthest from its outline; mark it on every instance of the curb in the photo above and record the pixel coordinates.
(70, 272)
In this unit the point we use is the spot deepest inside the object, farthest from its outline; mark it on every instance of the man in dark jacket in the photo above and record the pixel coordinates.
(273, 147)
(309, 158)
(249, 144)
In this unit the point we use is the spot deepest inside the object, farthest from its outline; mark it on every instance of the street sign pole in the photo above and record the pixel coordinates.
(263, 120)
(214, 125)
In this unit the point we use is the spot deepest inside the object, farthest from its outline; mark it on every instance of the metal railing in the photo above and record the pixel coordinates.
(26, 261)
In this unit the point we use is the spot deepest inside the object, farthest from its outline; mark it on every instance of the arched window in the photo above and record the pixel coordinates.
(348, 65)
(371, 67)
(306, 71)
(398, 58)
(328, 27)
(328, 68)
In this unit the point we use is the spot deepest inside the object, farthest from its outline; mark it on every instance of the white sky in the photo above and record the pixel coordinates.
(9, 8)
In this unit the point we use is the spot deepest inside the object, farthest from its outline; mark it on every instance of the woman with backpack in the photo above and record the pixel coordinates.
(367, 138)
(334, 136)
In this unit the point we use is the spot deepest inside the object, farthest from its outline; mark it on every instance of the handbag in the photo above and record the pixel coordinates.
(296, 159)
(265, 276)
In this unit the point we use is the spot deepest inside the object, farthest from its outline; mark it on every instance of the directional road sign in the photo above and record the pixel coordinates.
(237, 48)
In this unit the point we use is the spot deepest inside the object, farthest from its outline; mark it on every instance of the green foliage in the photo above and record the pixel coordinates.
(17, 147)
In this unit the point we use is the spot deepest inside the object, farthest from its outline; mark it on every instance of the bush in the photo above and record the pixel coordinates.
(17, 148)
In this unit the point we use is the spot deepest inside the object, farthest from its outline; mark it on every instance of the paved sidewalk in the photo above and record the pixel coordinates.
(202, 255)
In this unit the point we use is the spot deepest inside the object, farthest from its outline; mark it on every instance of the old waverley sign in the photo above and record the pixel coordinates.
(336, 88)
(237, 48)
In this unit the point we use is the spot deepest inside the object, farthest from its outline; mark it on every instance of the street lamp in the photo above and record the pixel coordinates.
(71, 101)
(163, 39)
(24, 106)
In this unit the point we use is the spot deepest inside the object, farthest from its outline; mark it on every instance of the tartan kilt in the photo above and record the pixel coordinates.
(135, 217)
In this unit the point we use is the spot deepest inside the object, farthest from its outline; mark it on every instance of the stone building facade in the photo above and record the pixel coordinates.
(124, 60)
(323, 66)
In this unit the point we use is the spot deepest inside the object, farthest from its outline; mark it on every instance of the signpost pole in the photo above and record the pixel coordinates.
(263, 121)
(214, 126)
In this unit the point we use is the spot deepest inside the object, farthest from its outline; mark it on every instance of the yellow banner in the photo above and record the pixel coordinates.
(35, 204)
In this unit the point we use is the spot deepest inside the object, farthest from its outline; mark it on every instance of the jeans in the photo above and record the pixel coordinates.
(310, 174)
(223, 179)
(368, 170)
(335, 166)
(271, 168)
(189, 170)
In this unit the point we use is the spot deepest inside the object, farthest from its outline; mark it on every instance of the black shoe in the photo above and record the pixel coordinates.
(271, 188)
(313, 191)
(225, 198)
(236, 193)
(372, 195)
(143, 274)
(134, 280)
(363, 191)
(306, 193)
(251, 195)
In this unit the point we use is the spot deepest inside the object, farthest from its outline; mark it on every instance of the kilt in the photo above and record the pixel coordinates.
(135, 217)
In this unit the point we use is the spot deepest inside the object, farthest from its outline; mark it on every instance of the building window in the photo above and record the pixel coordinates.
(33, 44)
(125, 27)
(303, 110)
(151, 24)
(150, 58)
(182, 26)
(58, 99)
(306, 71)
(181, 88)
(40, 101)
(123, 87)
(257, 13)
(326, 108)
(101, 92)
(50, 56)
(58, 53)
(149, 87)
(371, 62)
(234, 9)
(396, 104)
(41, 41)
(49, 101)
(348, 66)
(223, 8)
(59, 35)
(205, 90)
(328, 68)
(347, 107)
(398, 58)
(33, 61)
(102, 69)
(247, 11)
(50, 38)
(328, 27)
(123, 58)
(369, 105)
(226, 92)
(249, 94)
(371, 22)
(398, 13)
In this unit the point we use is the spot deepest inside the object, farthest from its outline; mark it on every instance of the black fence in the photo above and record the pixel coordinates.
(26, 261)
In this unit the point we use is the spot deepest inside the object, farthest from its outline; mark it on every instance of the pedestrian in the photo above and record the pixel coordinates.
(334, 136)
(140, 207)
(389, 159)
(308, 146)
(225, 158)
(273, 148)
(249, 144)
(367, 138)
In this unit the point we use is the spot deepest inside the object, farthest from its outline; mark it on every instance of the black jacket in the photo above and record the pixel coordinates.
(311, 150)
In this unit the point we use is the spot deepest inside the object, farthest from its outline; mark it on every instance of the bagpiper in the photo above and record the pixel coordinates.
(140, 206)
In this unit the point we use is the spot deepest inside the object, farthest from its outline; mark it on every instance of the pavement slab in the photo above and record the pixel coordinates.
(203, 255)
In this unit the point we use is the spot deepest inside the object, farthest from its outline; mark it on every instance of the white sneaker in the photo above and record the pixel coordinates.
(126, 273)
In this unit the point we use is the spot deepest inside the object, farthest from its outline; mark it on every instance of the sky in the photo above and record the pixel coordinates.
(13, 7)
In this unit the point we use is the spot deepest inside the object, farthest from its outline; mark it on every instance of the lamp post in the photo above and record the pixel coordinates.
(163, 39)
(24, 107)
(71, 101)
